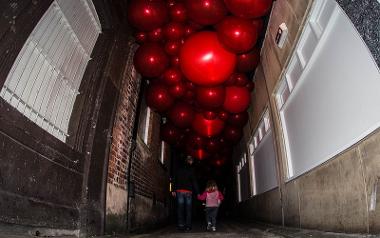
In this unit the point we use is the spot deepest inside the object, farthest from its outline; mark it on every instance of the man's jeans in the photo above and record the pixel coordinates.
(184, 206)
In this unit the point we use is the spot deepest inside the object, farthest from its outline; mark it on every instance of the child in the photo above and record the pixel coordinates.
(213, 199)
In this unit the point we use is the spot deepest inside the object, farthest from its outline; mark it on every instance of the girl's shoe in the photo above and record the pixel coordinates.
(213, 228)
(208, 226)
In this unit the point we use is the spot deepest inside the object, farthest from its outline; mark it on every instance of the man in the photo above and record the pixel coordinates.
(184, 185)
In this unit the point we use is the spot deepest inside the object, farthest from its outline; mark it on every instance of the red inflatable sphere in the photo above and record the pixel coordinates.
(204, 61)
(213, 145)
(210, 97)
(199, 154)
(195, 141)
(178, 12)
(240, 79)
(156, 35)
(158, 97)
(233, 134)
(141, 37)
(238, 119)
(172, 47)
(237, 99)
(174, 61)
(206, 12)
(249, 8)
(258, 24)
(177, 90)
(172, 76)
(210, 115)
(174, 31)
(223, 115)
(237, 34)
(207, 128)
(189, 95)
(250, 86)
(147, 15)
(150, 60)
(169, 133)
(248, 62)
(181, 114)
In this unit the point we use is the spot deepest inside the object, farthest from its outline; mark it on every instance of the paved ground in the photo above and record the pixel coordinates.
(224, 230)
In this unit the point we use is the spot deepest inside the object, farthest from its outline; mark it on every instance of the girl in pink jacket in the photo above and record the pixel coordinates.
(213, 199)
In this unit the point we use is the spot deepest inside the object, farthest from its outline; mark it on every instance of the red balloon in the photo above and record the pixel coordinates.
(177, 90)
(189, 95)
(169, 133)
(141, 37)
(189, 29)
(174, 61)
(210, 97)
(158, 97)
(178, 12)
(258, 24)
(237, 99)
(150, 60)
(181, 114)
(210, 115)
(172, 76)
(190, 85)
(204, 61)
(199, 154)
(206, 12)
(250, 86)
(174, 31)
(213, 145)
(207, 128)
(195, 141)
(233, 134)
(223, 115)
(248, 61)
(249, 8)
(237, 34)
(238, 119)
(172, 47)
(240, 79)
(156, 35)
(147, 15)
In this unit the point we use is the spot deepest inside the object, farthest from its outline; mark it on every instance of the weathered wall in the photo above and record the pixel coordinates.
(145, 206)
(336, 195)
(43, 181)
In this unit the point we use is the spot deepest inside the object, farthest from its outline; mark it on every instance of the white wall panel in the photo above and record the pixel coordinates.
(265, 165)
(336, 101)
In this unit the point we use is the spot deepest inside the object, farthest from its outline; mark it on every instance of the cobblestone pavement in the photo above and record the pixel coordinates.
(224, 230)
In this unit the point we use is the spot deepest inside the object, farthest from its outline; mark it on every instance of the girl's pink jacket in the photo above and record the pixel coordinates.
(213, 199)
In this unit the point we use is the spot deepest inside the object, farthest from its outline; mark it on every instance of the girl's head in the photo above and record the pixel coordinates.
(211, 186)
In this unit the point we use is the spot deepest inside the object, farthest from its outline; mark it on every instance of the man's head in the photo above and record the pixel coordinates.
(189, 160)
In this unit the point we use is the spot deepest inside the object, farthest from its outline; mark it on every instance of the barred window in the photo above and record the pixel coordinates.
(44, 80)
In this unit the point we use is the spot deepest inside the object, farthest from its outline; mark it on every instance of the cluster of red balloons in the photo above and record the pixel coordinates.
(196, 55)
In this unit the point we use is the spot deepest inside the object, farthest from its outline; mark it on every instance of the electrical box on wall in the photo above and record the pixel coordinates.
(282, 34)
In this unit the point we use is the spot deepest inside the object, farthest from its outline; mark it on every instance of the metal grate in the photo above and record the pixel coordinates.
(44, 80)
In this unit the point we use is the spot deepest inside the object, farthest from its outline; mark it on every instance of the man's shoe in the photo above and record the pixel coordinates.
(187, 229)
(180, 228)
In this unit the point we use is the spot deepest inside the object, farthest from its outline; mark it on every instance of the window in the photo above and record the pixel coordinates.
(262, 158)
(238, 183)
(144, 124)
(163, 152)
(44, 80)
(332, 102)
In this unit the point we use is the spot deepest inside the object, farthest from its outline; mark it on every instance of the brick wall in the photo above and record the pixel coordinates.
(147, 204)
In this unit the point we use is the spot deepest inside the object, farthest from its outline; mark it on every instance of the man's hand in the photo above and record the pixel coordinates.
(173, 194)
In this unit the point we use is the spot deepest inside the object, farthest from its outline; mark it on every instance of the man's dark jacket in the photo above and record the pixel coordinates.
(185, 179)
